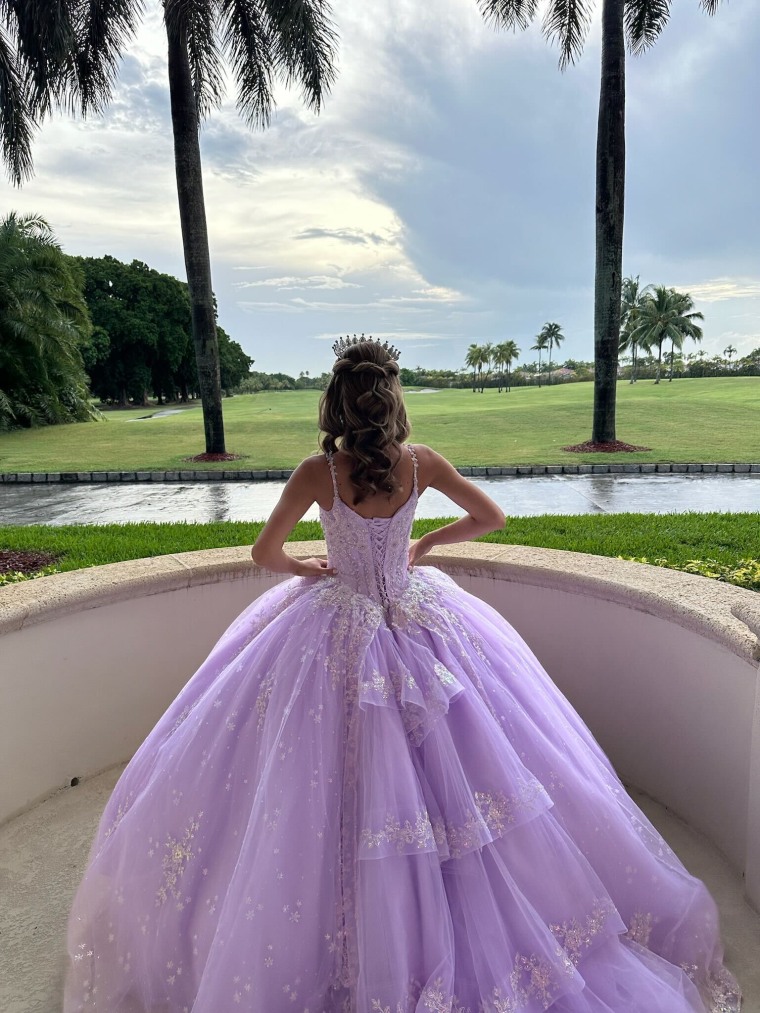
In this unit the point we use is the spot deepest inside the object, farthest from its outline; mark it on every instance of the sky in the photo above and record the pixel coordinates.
(445, 193)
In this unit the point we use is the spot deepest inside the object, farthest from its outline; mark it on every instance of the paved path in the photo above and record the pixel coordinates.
(244, 501)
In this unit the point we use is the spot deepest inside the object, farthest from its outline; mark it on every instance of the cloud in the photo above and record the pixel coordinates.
(448, 184)
(317, 281)
(355, 236)
(721, 289)
(434, 294)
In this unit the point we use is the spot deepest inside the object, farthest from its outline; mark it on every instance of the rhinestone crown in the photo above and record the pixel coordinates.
(342, 344)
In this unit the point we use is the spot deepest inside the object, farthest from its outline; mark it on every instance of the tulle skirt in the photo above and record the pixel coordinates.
(351, 808)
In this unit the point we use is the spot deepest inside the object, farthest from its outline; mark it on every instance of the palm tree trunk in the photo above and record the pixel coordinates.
(539, 369)
(672, 351)
(659, 362)
(192, 213)
(610, 202)
(634, 350)
(549, 374)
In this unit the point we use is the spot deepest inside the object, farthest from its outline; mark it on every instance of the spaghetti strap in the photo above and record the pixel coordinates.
(329, 456)
(410, 448)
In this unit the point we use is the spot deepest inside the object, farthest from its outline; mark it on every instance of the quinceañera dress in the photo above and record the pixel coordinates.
(371, 798)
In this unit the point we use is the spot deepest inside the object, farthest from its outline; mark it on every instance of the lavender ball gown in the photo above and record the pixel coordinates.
(370, 798)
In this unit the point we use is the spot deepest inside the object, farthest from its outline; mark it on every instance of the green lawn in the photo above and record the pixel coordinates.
(672, 539)
(710, 420)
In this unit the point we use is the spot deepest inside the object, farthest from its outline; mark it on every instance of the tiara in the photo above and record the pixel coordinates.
(342, 344)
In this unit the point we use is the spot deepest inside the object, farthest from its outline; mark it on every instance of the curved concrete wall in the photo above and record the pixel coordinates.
(663, 666)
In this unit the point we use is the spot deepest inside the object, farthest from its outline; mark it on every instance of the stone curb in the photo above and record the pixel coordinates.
(479, 471)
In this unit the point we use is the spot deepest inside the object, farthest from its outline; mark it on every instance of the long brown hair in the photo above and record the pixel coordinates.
(362, 412)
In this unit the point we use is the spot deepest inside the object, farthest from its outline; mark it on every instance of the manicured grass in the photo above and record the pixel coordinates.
(679, 538)
(706, 420)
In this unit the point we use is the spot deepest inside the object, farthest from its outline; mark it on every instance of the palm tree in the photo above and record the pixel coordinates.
(687, 326)
(511, 353)
(472, 359)
(486, 360)
(666, 315)
(729, 352)
(542, 343)
(632, 298)
(640, 23)
(44, 324)
(288, 39)
(36, 46)
(500, 362)
(554, 338)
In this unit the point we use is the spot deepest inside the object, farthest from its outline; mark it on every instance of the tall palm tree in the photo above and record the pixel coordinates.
(263, 40)
(639, 23)
(554, 338)
(729, 352)
(542, 343)
(666, 315)
(632, 298)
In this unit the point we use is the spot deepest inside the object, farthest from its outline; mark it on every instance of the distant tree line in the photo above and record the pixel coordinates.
(695, 364)
(141, 343)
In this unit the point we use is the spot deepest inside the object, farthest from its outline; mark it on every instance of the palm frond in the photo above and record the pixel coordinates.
(509, 14)
(46, 42)
(103, 28)
(709, 6)
(194, 21)
(304, 45)
(644, 22)
(245, 37)
(567, 21)
(16, 120)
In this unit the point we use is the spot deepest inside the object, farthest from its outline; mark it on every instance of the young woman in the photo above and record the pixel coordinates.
(370, 798)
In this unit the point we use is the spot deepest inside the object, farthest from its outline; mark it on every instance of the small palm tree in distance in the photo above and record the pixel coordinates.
(542, 343)
(511, 354)
(666, 315)
(554, 338)
(633, 296)
(472, 360)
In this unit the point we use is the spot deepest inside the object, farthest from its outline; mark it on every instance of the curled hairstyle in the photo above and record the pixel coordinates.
(362, 412)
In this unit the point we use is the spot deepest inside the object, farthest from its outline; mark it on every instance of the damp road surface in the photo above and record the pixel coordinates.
(253, 501)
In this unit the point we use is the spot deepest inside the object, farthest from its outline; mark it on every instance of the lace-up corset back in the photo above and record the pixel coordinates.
(370, 554)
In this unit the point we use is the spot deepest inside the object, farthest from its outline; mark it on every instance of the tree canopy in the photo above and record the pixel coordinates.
(44, 327)
(142, 335)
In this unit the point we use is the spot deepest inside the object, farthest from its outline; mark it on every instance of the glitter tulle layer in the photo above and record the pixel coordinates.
(383, 809)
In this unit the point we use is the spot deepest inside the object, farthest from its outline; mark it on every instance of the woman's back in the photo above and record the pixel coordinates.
(370, 551)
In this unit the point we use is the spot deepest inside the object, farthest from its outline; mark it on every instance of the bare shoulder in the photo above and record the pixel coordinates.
(312, 469)
(430, 460)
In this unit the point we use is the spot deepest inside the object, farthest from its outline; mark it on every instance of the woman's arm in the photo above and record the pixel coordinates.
(483, 515)
(296, 498)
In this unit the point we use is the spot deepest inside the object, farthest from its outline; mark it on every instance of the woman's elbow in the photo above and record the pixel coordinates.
(498, 519)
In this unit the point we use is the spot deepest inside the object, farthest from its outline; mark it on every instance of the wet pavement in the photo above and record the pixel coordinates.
(243, 501)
